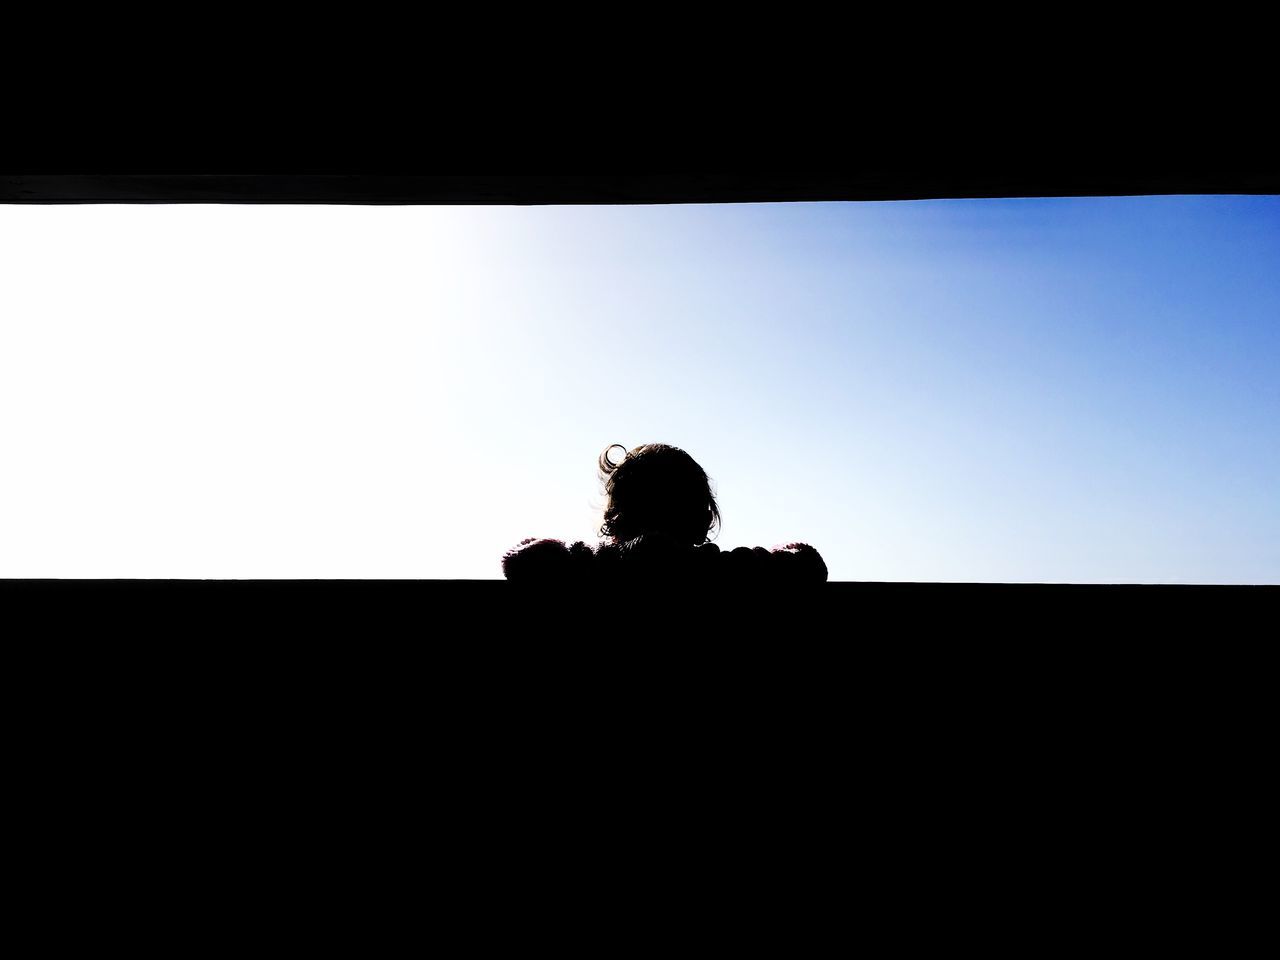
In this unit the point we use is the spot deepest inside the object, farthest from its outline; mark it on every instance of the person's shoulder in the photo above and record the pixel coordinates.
(793, 562)
(538, 558)
(800, 562)
(546, 559)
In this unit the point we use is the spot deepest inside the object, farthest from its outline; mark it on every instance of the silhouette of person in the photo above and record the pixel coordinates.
(657, 524)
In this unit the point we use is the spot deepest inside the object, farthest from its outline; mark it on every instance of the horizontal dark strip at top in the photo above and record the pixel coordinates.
(633, 188)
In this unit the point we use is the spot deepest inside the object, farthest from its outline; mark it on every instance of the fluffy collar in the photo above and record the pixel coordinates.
(655, 556)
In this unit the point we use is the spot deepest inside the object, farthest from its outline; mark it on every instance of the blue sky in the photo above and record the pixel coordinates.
(1050, 390)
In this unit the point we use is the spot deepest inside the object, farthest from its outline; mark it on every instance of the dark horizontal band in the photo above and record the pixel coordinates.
(866, 184)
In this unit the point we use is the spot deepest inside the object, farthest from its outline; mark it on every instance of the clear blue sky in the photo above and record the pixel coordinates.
(1079, 390)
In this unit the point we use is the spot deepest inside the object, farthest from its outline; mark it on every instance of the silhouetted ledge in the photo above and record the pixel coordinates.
(523, 651)
(839, 586)
(463, 608)
(519, 645)
(918, 733)
(888, 183)
(846, 590)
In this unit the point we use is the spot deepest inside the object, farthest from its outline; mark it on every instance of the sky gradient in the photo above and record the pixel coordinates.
(1045, 390)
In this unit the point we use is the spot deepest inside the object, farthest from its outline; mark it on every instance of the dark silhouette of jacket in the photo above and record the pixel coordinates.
(657, 557)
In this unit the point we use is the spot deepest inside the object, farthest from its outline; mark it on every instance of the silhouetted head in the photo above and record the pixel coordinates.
(656, 488)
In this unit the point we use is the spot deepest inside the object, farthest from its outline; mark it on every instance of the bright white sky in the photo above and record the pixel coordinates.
(1034, 390)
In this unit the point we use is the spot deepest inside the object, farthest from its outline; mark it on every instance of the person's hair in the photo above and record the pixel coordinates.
(656, 488)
